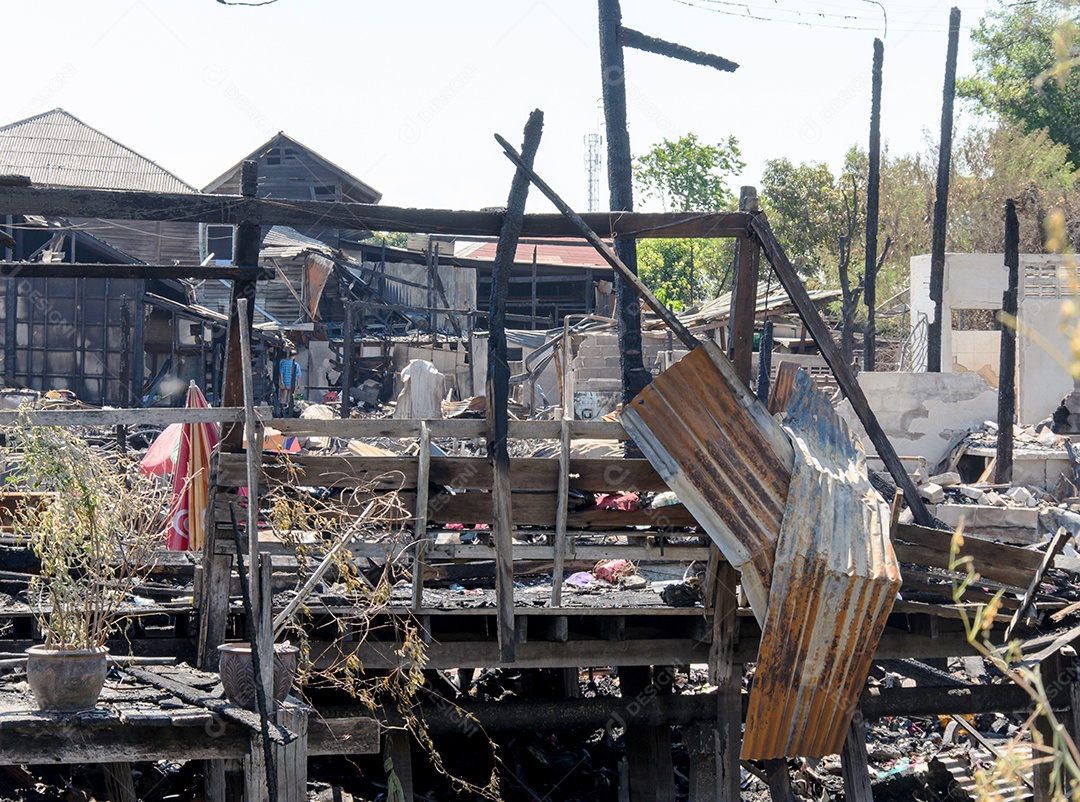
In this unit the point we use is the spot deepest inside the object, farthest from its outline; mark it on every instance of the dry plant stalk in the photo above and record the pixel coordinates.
(1061, 752)
(312, 523)
(94, 527)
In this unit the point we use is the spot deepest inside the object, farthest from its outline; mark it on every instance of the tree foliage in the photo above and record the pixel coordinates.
(686, 175)
(1028, 68)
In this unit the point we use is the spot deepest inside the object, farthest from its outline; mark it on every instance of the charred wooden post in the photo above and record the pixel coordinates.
(12, 250)
(650, 44)
(764, 374)
(348, 339)
(941, 202)
(1006, 412)
(873, 187)
(648, 747)
(498, 387)
(397, 761)
(853, 762)
(245, 254)
(724, 674)
(776, 770)
(744, 294)
(125, 352)
(621, 191)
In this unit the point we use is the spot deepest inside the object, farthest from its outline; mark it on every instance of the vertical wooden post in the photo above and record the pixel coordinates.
(776, 771)
(621, 188)
(397, 758)
(125, 352)
(1003, 467)
(744, 294)
(119, 783)
(648, 748)
(498, 388)
(423, 475)
(941, 202)
(764, 374)
(290, 760)
(348, 335)
(561, 512)
(722, 672)
(245, 254)
(873, 187)
(533, 323)
(11, 303)
(853, 762)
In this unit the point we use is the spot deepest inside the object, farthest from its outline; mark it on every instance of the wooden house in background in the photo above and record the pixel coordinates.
(67, 333)
(289, 170)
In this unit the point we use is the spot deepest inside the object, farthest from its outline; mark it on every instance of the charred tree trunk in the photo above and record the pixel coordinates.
(941, 203)
(621, 188)
(873, 183)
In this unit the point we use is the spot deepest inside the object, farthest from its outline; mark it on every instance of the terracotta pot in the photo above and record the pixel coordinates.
(66, 680)
(238, 673)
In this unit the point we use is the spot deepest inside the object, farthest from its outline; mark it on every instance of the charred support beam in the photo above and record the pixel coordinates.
(744, 294)
(621, 192)
(611, 257)
(245, 254)
(648, 746)
(941, 201)
(650, 44)
(498, 386)
(849, 385)
(853, 762)
(873, 186)
(237, 209)
(1006, 413)
(348, 340)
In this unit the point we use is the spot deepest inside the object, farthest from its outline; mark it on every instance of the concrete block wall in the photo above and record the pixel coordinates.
(597, 356)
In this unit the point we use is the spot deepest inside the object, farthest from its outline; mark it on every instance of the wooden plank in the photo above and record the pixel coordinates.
(845, 377)
(214, 607)
(997, 561)
(450, 427)
(722, 671)
(744, 295)
(154, 416)
(235, 209)
(600, 475)
(397, 757)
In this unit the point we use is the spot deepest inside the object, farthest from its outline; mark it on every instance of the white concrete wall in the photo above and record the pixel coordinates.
(923, 414)
(977, 281)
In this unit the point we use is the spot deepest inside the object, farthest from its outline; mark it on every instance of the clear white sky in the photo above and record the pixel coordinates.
(406, 94)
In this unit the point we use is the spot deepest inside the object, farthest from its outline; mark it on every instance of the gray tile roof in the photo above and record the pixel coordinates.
(58, 149)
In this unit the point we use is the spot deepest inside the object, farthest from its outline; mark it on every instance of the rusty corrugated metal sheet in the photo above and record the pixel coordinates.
(727, 460)
(804, 526)
(834, 583)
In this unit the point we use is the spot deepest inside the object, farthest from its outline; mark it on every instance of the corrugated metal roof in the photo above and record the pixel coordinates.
(719, 450)
(58, 149)
(833, 586)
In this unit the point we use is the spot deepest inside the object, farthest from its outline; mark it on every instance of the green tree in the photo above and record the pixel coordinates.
(685, 175)
(1027, 68)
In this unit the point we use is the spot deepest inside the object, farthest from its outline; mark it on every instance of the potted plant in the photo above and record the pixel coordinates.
(94, 527)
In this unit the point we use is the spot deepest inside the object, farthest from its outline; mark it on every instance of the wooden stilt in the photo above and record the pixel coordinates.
(397, 758)
(700, 742)
(779, 780)
(213, 607)
(648, 748)
(853, 763)
(722, 670)
(119, 784)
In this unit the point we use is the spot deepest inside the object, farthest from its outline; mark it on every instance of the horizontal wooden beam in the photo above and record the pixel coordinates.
(153, 416)
(450, 427)
(235, 209)
(65, 270)
(66, 740)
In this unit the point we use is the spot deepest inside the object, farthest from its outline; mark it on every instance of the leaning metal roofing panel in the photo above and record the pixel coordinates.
(727, 460)
(57, 149)
(833, 586)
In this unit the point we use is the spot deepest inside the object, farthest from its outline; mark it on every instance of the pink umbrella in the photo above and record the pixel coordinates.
(191, 478)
